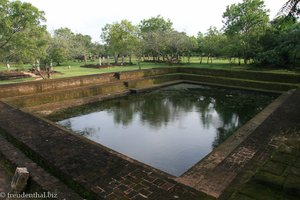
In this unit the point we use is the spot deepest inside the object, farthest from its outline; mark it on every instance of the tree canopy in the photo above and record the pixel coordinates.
(246, 22)
(22, 37)
(247, 34)
(121, 38)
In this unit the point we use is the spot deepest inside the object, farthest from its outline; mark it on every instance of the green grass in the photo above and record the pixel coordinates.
(76, 70)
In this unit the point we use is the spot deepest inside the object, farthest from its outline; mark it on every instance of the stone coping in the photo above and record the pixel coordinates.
(38, 175)
(203, 175)
(91, 169)
(32, 87)
(60, 161)
(98, 172)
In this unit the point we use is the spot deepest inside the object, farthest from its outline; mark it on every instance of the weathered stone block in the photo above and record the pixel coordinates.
(292, 185)
(284, 158)
(269, 179)
(276, 168)
(19, 180)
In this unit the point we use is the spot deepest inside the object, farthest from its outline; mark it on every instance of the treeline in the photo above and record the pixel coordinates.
(248, 35)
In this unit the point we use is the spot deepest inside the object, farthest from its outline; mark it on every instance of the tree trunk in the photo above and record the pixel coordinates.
(107, 61)
(294, 60)
(7, 66)
(201, 59)
(122, 61)
(139, 62)
(207, 59)
(100, 61)
(116, 57)
(130, 59)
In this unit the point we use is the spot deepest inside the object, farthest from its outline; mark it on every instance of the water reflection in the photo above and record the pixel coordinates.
(171, 128)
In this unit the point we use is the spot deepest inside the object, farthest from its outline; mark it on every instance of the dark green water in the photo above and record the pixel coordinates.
(171, 128)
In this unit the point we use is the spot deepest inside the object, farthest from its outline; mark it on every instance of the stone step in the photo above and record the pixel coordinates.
(38, 175)
(62, 95)
(48, 108)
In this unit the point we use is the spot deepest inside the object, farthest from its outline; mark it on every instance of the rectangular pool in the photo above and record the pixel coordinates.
(171, 128)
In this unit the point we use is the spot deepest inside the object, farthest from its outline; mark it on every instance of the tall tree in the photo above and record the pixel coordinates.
(152, 31)
(246, 22)
(82, 46)
(290, 8)
(121, 38)
(21, 33)
(200, 48)
(280, 44)
(66, 45)
(175, 44)
(213, 43)
(157, 23)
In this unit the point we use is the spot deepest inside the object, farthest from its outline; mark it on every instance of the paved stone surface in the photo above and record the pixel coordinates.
(278, 177)
(273, 171)
(214, 174)
(88, 168)
(97, 172)
(38, 175)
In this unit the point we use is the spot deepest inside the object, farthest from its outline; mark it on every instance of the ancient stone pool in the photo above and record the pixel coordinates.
(171, 128)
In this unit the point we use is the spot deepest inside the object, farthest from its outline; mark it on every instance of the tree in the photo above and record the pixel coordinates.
(290, 8)
(22, 37)
(154, 24)
(66, 45)
(174, 45)
(280, 44)
(82, 46)
(213, 43)
(29, 46)
(191, 47)
(246, 22)
(121, 38)
(61, 46)
(152, 31)
(200, 48)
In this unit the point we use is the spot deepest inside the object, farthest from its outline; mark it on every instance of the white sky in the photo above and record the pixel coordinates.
(90, 16)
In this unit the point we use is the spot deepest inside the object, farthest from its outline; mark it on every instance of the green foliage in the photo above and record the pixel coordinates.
(291, 9)
(66, 45)
(246, 22)
(155, 24)
(22, 37)
(153, 33)
(281, 44)
(121, 38)
(176, 44)
(213, 42)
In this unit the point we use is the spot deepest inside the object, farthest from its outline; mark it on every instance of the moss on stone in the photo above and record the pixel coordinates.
(284, 158)
(276, 168)
(267, 178)
(292, 185)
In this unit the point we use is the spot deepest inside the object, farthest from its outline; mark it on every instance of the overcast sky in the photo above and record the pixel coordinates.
(90, 16)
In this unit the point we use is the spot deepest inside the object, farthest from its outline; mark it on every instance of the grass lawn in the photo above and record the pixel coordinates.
(76, 70)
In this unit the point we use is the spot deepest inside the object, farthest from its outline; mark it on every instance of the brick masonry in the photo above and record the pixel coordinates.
(97, 172)
(88, 168)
